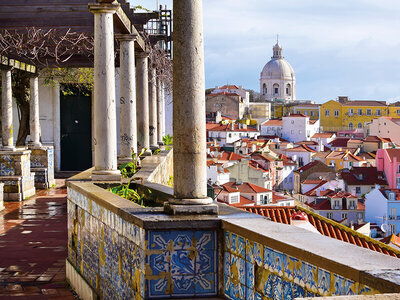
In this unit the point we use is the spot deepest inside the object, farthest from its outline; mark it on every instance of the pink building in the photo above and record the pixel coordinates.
(388, 161)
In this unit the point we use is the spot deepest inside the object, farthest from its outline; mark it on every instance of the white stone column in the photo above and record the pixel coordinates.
(128, 129)
(153, 108)
(142, 102)
(34, 123)
(57, 126)
(189, 123)
(6, 110)
(104, 105)
(160, 111)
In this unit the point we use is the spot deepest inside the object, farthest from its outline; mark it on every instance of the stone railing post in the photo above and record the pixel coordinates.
(189, 123)
(104, 106)
(160, 111)
(128, 128)
(34, 123)
(153, 108)
(6, 110)
(142, 102)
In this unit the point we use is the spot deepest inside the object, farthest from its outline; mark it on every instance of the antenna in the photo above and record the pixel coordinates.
(277, 38)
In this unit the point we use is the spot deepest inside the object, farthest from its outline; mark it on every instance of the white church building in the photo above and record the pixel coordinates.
(277, 79)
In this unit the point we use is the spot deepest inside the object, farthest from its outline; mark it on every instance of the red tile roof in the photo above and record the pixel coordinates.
(302, 148)
(365, 103)
(308, 166)
(396, 191)
(227, 127)
(297, 116)
(226, 155)
(327, 227)
(374, 138)
(394, 153)
(322, 135)
(245, 187)
(228, 87)
(273, 122)
(243, 201)
(364, 176)
(306, 143)
(339, 142)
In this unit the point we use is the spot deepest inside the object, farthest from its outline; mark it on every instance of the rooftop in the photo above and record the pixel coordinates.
(364, 176)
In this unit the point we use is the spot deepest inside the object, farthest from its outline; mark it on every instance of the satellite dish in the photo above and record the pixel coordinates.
(384, 227)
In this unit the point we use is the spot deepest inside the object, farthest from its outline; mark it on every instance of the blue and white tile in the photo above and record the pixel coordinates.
(338, 285)
(299, 272)
(298, 291)
(249, 275)
(258, 254)
(233, 245)
(324, 282)
(158, 239)
(183, 285)
(279, 258)
(227, 286)
(182, 239)
(278, 288)
(227, 241)
(269, 285)
(159, 263)
(241, 247)
(181, 263)
(257, 296)
(206, 284)
(157, 288)
(287, 290)
(249, 251)
(206, 240)
(206, 261)
(311, 277)
(269, 259)
(249, 294)
(289, 267)
(227, 262)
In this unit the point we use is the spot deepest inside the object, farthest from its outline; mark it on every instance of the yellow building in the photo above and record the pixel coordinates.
(311, 110)
(331, 116)
(345, 114)
(342, 160)
(280, 109)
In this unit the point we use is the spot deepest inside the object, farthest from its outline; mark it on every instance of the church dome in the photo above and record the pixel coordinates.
(277, 67)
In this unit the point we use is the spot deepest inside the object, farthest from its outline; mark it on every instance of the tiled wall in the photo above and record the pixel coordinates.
(256, 271)
(121, 260)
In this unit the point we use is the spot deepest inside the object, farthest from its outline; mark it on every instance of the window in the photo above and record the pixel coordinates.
(392, 213)
(359, 126)
(276, 89)
(398, 111)
(351, 111)
(266, 199)
(353, 204)
(235, 199)
(344, 215)
(306, 113)
(312, 113)
(327, 112)
(336, 113)
(378, 112)
(360, 216)
(301, 163)
(336, 204)
(358, 190)
(329, 215)
(351, 126)
(392, 228)
(292, 122)
(288, 90)
(230, 135)
(299, 131)
(398, 170)
(264, 89)
(369, 112)
(360, 111)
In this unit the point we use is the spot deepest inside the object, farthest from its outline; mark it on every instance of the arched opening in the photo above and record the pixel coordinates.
(351, 126)
(264, 89)
(276, 89)
(288, 89)
(359, 126)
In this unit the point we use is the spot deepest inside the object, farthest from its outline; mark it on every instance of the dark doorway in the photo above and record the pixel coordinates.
(76, 132)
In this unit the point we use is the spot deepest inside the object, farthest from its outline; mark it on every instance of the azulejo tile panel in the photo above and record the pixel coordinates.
(182, 263)
(271, 274)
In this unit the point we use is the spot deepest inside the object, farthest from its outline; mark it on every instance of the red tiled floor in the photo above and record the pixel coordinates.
(33, 247)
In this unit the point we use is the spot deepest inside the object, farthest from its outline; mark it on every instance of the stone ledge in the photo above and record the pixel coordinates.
(357, 297)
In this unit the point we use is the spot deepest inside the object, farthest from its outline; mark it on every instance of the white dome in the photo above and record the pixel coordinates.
(277, 69)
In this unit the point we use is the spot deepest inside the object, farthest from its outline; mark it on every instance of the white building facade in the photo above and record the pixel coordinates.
(298, 128)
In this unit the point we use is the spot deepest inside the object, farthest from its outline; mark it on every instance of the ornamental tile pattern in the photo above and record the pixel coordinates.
(266, 273)
(122, 260)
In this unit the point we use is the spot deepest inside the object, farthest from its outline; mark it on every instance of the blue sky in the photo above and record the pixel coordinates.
(336, 47)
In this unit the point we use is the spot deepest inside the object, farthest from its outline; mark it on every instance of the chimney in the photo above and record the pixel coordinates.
(300, 219)
(232, 126)
(343, 99)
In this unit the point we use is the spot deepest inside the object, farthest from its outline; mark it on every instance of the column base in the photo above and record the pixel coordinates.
(182, 209)
(147, 153)
(106, 175)
(8, 148)
(32, 145)
(124, 160)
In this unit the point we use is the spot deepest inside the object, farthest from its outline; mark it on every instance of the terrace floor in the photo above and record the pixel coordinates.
(33, 247)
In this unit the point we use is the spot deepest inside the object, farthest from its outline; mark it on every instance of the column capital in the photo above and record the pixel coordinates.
(103, 7)
(126, 37)
(142, 54)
